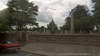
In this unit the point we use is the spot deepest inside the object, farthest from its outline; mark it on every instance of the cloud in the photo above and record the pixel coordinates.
(57, 10)
(44, 16)
(3, 4)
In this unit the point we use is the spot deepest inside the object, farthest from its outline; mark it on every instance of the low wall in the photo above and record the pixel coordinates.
(66, 39)
(80, 39)
(3, 37)
(15, 37)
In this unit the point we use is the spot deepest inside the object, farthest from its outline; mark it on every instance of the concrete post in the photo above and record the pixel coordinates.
(27, 37)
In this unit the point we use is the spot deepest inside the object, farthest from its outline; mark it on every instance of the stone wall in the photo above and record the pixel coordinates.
(3, 37)
(13, 36)
(80, 39)
(66, 39)
(17, 37)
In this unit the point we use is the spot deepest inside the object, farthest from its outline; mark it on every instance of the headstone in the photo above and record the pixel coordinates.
(48, 32)
(61, 31)
(66, 31)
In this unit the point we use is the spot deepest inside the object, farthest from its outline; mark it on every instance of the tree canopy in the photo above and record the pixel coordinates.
(97, 14)
(22, 13)
(3, 21)
(82, 20)
(80, 11)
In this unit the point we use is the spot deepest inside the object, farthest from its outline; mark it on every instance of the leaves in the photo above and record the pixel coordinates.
(80, 11)
(22, 12)
(3, 20)
(82, 20)
(84, 24)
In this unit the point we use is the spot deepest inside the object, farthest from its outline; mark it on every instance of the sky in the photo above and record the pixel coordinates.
(57, 10)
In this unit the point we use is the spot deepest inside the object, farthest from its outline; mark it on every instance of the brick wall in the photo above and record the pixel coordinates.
(3, 37)
(86, 39)
(15, 37)
(66, 39)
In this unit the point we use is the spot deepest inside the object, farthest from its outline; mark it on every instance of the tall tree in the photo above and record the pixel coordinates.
(82, 20)
(84, 25)
(3, 21)
(67, 25)
(22, 13)
(80, 11)
(97, 14)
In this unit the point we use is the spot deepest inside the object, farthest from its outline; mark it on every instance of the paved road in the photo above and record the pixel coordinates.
(19, 54)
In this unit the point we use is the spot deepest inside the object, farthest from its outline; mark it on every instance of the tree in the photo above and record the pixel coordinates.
(66, 26)
(80, 11)
(22, 13)
(82, 20)
(85, 24)
(42, 28)
(3, 21)
(97, 14)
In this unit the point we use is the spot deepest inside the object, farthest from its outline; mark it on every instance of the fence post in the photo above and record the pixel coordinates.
(27, 36)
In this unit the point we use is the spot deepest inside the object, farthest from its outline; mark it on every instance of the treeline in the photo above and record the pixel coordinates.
(84, 22)
(18, 15)
(21, 13)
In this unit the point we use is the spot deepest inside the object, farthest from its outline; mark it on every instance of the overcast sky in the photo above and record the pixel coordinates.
(57, 10)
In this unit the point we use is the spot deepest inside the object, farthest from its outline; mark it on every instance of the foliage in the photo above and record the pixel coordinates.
(97, 11)
(80, 11)
(82, 20)
(84, 24)
(22, 13)
(42, 28)
(97, 14)
(3, 21)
